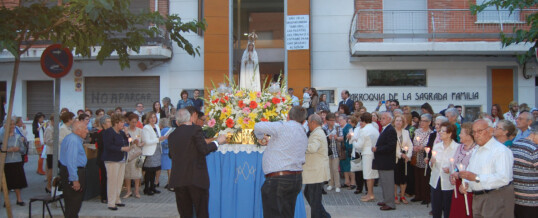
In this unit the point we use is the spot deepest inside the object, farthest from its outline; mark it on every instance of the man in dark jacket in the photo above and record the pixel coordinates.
(385, 161)
(189, 176)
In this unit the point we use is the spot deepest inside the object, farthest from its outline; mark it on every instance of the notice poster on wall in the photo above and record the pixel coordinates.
(297, 32)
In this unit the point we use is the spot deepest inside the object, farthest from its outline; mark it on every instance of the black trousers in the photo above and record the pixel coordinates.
(525, 211)
(149, 177)
(189, 197)
(410, 189)
(359, 179)
(73, 199)
(422, 190)
(102, 181)
(279, 195)
(312, 193)
(441, 201)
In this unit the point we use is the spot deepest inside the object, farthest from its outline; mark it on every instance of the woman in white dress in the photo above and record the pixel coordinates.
(250, 70)
(368, 135)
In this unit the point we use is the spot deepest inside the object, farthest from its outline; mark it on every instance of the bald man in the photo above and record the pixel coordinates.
(72, 168)
(489, 175)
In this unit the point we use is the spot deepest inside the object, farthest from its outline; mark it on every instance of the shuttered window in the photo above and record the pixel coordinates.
(111, 92)
(39, 98)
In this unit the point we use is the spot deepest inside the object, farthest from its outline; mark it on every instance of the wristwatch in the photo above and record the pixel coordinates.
(477, 179)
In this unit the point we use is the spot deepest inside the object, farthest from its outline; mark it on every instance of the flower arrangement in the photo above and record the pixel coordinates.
(230, 110)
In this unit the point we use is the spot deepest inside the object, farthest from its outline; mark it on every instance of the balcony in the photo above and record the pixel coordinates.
(377, 32)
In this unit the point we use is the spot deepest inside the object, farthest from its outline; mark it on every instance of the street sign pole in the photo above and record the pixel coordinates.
(56, 136)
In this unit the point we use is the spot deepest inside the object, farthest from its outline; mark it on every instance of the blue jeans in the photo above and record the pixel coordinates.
(312, 193)
(279, 194)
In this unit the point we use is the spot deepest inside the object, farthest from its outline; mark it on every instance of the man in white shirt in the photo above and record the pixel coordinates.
(489, 175)
(294, 99)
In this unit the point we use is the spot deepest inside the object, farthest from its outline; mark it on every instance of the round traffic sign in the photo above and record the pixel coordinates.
(56, 61)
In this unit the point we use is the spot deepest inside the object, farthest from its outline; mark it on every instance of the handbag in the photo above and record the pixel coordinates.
(134, 153)
(140, 161)
(356, 164)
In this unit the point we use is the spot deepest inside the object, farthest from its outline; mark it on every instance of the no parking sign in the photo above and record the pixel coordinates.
(56, 61)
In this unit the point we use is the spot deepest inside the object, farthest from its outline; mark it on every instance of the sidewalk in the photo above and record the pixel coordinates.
(344, 204)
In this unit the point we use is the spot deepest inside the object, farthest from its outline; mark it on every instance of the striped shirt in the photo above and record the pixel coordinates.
(525, 172)
(286, 148)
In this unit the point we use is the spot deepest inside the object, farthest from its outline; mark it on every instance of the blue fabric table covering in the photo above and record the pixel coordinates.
(236, 180)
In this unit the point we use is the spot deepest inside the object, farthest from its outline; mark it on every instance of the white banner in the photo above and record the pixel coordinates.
(297, 32)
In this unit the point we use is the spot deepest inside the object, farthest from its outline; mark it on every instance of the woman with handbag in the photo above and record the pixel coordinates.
(132, 172)
(13, 168)
(151, 137)
(404, 150)
(116, 146)
(367, 138)
(356, 158)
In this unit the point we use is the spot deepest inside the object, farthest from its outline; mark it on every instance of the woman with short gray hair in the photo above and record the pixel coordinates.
(504, 131)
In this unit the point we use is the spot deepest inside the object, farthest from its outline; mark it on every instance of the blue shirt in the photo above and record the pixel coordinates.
(183, 104)
(294, 100)
(72, 155)
(522, 135)
(198, 103)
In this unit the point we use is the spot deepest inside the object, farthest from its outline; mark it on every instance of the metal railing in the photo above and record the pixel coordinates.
(377, 25)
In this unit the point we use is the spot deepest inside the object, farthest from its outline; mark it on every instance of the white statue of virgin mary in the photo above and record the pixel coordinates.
(249, 78)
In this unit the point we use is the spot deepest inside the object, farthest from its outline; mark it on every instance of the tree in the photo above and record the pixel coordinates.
(81, 26)
(520, 35)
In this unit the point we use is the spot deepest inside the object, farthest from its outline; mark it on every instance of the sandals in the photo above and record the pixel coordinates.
(396, 200)
(403, 200)
(127, 195)
(367, 199)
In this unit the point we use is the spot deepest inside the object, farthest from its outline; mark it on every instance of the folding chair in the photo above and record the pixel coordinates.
(47, 198)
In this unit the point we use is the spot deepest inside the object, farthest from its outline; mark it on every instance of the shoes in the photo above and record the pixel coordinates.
(403, 200)
(127, 195)
(415, 200)
(158, 184)
(166, 186)
(171, 189)
(345, 186)
(396, 200)
(148, 192)
(367, 199)
(337, 189)
(424, 202)
(47, 190)
(386, 208)
(155, 191)
(323, 192)
(137, 195)
(120, 205)
(352, 187)
(104, 201)
(381, 204)
(113, 208)
(357, 192)
(21, 203)
(329, 188)
(41, 172)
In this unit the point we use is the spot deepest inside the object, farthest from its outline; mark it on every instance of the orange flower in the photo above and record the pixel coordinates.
(222, 100)
(226, 97)
(240, 104)
(264, 120)
(230, 123)
(283, 99)
(275, 100)
(253, 105)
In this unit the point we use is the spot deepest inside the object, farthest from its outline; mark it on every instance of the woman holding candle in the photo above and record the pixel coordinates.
(345, 165)
(423, 139)
(441, 189)
(366, 139)
(403, 152)
(131, 171)
(462, 156)
(151, 137)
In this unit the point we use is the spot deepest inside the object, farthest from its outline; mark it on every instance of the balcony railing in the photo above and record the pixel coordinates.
(434, 25)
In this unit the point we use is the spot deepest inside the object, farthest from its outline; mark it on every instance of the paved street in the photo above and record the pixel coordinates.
(343, 204)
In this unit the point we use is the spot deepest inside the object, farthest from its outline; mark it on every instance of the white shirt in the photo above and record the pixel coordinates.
(442, 160)
(492, 163)
(294, 100)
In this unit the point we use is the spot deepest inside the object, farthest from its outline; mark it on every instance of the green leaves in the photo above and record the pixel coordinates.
(83, 24)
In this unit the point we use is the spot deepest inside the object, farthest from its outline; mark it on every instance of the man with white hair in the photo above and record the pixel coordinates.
(523, 122)
(384, 154)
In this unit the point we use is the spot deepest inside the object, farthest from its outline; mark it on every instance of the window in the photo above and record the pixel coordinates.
(471, 112)
(491, 15)
(329, 93)
(396, 77)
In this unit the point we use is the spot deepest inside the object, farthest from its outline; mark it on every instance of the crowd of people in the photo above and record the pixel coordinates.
(462, 168)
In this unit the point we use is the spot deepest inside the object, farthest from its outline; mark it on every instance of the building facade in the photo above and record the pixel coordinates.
(415, 51)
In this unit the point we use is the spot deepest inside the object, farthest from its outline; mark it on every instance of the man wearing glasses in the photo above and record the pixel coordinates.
(489, 175)
(139, 110)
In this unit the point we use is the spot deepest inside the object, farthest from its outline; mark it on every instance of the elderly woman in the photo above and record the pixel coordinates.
(424, 138)
(462, 156)
(168, 108)
(334, 135)
(441, 188)
(151, 137)
(166, 162)
(404, 150)
(116, 146)
(504, 132)
(13, 168)
(345, 164)
(131, 171)
(363, 143)
(103, 124)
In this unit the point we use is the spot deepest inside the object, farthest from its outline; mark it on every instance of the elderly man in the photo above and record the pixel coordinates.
(526, 174)
(139, 111)
(189, 176)
(384, 161)
(282, 162)
(452, 115)
(523, 122)
(72, 168)
(489, 175)
(316, 167)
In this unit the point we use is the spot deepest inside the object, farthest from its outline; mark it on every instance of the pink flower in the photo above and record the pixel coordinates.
(211, 123)
(245, 121)
(246, 110)
(258, 94)
(224, 110)
(267, 104)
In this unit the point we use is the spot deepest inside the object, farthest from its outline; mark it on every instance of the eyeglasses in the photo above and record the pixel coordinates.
(476, 132)
(424, 121)
(442, 131)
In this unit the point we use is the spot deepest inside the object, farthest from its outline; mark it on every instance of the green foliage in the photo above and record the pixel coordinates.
(81, 25)
(520, 35)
